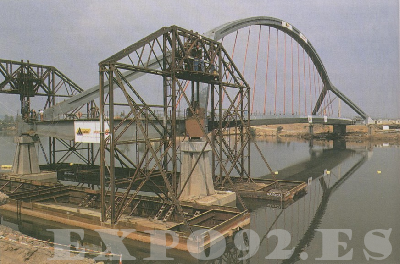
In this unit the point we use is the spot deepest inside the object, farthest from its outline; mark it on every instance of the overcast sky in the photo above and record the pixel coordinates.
(357, 40)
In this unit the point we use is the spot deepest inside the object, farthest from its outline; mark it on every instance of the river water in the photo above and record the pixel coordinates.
(353, 191)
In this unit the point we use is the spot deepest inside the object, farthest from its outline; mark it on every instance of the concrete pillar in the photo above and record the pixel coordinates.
(25, 160)
(200, 183)
(370, 130)
(339, 130)
(311, 130)
(339, 143)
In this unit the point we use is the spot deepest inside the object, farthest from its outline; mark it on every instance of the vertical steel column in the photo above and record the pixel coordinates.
(198, 93)
(173, 124)
(220, 134)
(220, 114)
(112, 143)
(192, 97)
(52, 139)
(102, 148)
(241, 132)
(248, 133)
(211, 128)
(165, 104)
(54, 95)
(92, 111)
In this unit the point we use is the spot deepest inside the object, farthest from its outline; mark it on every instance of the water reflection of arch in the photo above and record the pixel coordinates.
(327, 192)
(302, 241)
(319, 161)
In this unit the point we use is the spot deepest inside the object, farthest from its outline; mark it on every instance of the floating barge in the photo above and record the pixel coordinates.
(267, 189)
(78, 206)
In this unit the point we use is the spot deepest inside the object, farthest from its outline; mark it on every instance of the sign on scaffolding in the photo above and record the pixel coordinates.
(89, 131)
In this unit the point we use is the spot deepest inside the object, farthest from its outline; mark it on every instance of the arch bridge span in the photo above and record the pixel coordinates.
(232, 28)
(285, 72)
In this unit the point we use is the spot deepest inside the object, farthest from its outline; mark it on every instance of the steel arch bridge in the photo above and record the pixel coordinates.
(289, 77)
(219, 33)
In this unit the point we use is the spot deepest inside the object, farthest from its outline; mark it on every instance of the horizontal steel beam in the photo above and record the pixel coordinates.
(276, 120)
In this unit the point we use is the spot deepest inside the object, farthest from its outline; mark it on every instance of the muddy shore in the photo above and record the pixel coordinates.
(18, 248)
(15, 247)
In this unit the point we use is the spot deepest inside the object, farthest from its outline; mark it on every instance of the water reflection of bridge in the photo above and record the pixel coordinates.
(302, 217)
(315, 166)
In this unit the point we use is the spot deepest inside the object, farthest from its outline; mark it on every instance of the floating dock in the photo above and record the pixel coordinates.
(267, 189)
(78, 206)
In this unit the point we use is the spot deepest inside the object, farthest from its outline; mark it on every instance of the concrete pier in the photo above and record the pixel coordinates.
(200, 187)
(26, 162)
(339, 130)
(25, 159)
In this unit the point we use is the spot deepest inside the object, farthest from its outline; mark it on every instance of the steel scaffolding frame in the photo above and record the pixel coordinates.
(30, 80)
(158, 125)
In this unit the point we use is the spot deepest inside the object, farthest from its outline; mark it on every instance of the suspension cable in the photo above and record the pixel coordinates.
(309, 78)
(255, 73)
(298, 70)
(305, 83)
(284, 80)
(266, 72)
(291, 43)
(276, 69)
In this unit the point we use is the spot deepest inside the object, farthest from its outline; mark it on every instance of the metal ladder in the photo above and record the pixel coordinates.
(168, 214)
(159, 213)
(94, 198)
(117, 201)
(84, 200)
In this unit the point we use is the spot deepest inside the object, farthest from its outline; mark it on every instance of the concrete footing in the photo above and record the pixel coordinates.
(41, 176)
(221, 198)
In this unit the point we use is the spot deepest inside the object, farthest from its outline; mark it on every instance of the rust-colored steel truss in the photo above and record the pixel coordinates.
(38, 86)
(30, 80)
(180, 64)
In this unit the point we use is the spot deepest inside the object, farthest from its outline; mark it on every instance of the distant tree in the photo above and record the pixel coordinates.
(8, 119)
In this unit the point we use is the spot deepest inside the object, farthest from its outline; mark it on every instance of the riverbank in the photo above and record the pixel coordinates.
(3, 198)
(354, 133)
(16, 247)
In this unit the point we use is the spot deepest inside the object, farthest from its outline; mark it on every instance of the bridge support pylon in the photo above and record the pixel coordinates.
(196, 182)
(339, 130)
(339, 143)
(26, 162)
(311, 130)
